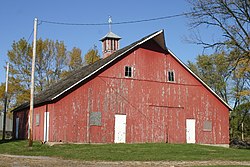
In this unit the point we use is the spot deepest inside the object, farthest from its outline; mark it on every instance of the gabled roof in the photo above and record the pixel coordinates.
(198, 78)
(110, 35)
(79, 76)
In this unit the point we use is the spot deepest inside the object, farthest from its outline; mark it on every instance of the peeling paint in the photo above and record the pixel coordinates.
(156, 109)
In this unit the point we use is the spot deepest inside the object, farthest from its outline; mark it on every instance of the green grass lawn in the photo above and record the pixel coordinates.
(127, 152)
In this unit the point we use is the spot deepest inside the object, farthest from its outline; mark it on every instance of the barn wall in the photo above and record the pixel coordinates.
(38, 123)
(156, 109)
(22, 126)
(68, 118)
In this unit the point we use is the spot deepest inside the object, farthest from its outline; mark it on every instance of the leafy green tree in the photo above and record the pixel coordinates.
(232, 84)
(240, 73)
(92, 56)
(51, 62)
(2, 94)
(232, 19)
(15, 96)
(240, 122)
(214, 71)
(20, 61)
(75, 61)
(51, 65)
(19, 73)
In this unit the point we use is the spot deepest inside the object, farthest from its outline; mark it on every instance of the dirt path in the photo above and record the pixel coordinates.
(39, 161)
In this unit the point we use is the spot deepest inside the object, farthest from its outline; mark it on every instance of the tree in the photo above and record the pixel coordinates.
(75, 61)
(20, 61)
(50, 62)
(240, 121)
(2, 94)
(92, 56)
(51, 65)
(15, 96)
(232, 86)
(19, 73)
(231, 17)
(214, 71)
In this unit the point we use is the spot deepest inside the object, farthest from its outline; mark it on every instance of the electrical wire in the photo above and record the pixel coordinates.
(115, 23)
(30, 35)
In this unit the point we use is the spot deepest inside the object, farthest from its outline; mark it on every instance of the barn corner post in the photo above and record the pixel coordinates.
(32, 87)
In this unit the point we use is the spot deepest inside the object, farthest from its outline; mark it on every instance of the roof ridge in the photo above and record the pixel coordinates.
(199, 79)
(62, 86)
(110, 34)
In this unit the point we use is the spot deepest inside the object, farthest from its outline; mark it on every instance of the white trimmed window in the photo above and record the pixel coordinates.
(128, 71)
(171, 76)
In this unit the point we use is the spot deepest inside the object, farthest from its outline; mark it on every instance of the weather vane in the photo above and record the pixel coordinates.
(110, 22)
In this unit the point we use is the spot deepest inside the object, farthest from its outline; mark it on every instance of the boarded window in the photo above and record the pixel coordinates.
(95, 119)
(37, 119)
(171, 76)
(207, 126)
(128, 71)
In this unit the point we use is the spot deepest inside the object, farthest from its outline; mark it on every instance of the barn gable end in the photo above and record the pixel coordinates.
(143, 85)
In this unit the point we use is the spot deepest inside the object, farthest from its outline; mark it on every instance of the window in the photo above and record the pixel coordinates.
(112, 44)
(128, 71)
(37, 119)
(95, 119)
(171, 76)
(207, 126)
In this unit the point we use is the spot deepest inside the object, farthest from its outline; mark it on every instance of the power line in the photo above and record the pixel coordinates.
(152, 19)
(30, 35)
(115, 23)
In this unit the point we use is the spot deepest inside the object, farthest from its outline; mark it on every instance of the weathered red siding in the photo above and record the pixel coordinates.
(156, 109)
(38, 129)
(22, 126)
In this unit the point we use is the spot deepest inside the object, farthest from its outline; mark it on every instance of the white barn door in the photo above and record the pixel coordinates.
(120, 128)
(190, 130)
(46, 126)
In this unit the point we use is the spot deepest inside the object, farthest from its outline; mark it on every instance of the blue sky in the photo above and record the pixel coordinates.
(17, 17)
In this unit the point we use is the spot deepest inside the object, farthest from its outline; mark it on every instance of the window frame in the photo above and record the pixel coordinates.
(95, 118)
(208, 126)
(37, 119)
(171, 76)
(128, 71)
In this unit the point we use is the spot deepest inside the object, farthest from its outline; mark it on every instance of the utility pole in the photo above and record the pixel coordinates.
(31, 111)
(242, 131)
(5, 100)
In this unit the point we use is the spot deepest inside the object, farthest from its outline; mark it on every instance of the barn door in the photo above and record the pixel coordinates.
(190, 130)
(17, 127)
(120, 128)
(46, 126)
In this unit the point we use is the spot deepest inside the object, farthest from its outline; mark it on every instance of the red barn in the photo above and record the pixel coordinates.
(140, 93)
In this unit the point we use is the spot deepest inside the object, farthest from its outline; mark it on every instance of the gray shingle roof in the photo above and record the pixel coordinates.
(79, 76)
(110, 35)
(76, 78)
